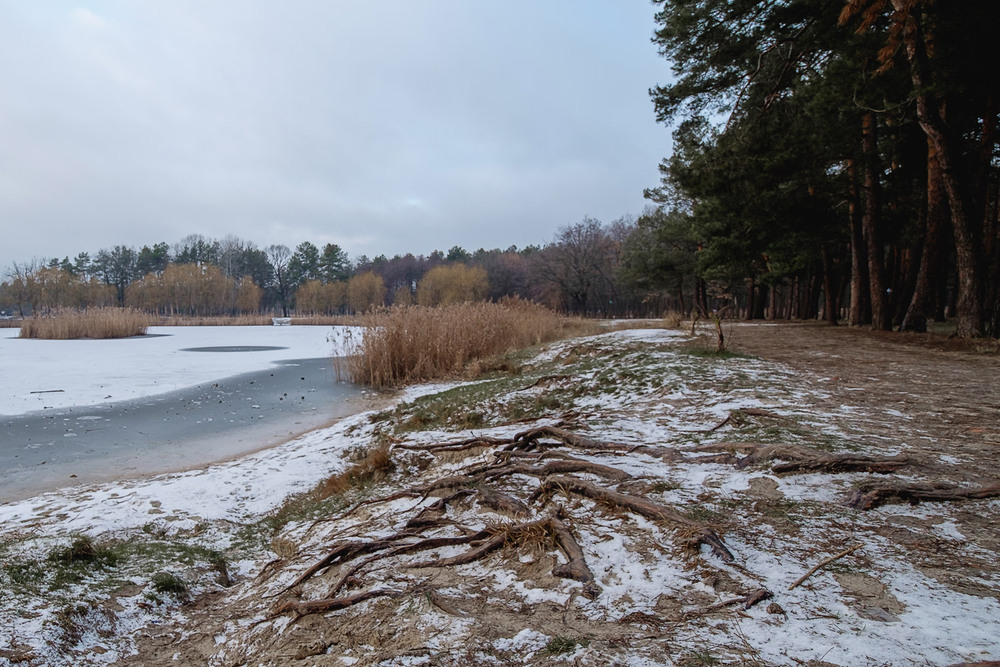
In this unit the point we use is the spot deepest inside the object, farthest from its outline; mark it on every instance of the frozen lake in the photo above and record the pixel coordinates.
(83, 411)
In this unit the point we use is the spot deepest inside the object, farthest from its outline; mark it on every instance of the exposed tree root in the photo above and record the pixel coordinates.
(526, 454)
(503, 503)
(802, 460)
(561, 466)
(347, 551)
(576, 568)
(874, 494)
(736, 417)
(511, 534)
(461, 445)
(647, 508)
(532, 439)
(333, 604)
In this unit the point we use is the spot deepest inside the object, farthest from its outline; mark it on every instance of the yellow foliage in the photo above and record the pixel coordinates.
(365, 291)
(452, 283)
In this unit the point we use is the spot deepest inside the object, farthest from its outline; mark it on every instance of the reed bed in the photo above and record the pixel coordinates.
(65, 324)
(251, 320)
(407, 344)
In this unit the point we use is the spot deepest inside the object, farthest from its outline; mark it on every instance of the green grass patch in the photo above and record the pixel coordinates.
(562, 645)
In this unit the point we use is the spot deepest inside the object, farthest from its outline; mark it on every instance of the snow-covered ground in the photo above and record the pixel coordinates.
(874, 608)
(46, 374)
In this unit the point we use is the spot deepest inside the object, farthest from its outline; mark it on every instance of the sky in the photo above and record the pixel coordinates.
(389, 127)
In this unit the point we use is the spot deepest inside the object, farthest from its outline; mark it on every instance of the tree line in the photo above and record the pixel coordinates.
(579, 271)
(831, 159)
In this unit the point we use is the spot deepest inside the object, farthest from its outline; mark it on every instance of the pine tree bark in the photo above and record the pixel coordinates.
(930, 257)
(871, 221)
(860, 313)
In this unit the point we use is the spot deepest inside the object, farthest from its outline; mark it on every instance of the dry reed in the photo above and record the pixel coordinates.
(66, 324)
(251, 320)
(416, 343)
(371, 466)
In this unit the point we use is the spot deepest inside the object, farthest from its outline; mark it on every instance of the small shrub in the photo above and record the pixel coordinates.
(84, 550)
(65, 324)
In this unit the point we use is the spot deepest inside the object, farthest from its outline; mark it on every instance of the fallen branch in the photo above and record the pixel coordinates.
(745, 602)
(824, 563)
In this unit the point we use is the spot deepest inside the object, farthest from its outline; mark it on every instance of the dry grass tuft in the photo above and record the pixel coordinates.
(531, 538)
(68, 324)
(416, 343)
(371, 467)
(673, 319)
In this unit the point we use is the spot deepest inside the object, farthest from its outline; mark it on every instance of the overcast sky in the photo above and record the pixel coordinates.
(385, 127)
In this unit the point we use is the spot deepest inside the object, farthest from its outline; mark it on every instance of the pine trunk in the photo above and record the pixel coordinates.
(930, 258)
(860, 313)
(929, 115)
(871, 223)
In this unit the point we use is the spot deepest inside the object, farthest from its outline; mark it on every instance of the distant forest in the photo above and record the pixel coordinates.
(578, 272)
(831, 160)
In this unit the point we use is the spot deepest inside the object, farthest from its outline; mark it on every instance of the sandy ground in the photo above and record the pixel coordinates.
(655, 423)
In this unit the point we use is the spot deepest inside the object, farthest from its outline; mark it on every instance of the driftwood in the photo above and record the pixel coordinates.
(871, 495)
(823, 563)
(642, 506)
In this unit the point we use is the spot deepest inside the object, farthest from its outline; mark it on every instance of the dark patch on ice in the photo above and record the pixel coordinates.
(234, 348)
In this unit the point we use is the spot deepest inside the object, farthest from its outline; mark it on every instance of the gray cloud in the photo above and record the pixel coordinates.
(385, 127)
